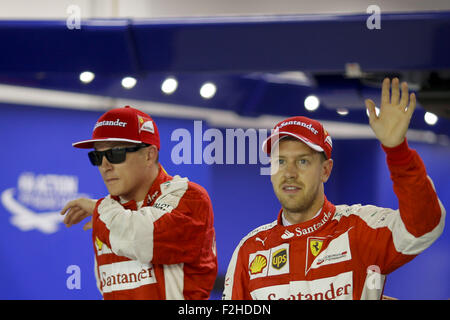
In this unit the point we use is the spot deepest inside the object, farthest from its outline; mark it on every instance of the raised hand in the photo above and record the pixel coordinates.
(77, 210)
(392, 122)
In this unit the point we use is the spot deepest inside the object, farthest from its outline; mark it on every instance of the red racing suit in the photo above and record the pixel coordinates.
(163, 250)
(346, 251)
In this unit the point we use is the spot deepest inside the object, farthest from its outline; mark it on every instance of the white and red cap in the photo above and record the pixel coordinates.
(123, 124)
(307, 130)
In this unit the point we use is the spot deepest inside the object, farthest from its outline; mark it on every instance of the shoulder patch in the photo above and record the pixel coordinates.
(258, 230)
(174, 185)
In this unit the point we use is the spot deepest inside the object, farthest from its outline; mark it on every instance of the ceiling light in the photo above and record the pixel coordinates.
(87, 76)
(208, 90)
(342, 111)
(128, 82)
(312, 103)
(169, 85)
(430, 118)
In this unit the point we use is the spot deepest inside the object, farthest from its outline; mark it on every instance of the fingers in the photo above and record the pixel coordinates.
(393, 97)
(370, 105)
(395, 92)
(86, 204)
(385, 92)
(77, 210)
(405, 95)
(412, 105)
(68, 205)
(87, 225)
(74, 216)
(71, 216)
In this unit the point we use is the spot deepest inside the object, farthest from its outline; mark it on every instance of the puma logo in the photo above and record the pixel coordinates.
(262, 241)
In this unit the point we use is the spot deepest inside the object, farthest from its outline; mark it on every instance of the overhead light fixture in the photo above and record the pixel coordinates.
(342, 111)
(87, 76)
(311, 103)
(430, 118)
(208, 90)
(128, 82)
(169, 85)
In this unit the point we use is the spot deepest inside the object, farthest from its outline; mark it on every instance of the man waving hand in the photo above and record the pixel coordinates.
(316, 250)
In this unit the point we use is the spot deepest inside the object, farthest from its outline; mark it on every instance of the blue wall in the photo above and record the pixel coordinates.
(37, 152)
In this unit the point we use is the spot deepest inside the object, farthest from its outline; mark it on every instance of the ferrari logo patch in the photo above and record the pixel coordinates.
(315, 245)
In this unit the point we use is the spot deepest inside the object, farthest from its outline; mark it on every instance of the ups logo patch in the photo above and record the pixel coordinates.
(279, 259)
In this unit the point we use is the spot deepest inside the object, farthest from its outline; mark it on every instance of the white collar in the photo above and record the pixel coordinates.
(286, 223)
(138, 204)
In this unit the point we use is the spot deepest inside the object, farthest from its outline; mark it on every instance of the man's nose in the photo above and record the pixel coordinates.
(291, 171)
(105, 165)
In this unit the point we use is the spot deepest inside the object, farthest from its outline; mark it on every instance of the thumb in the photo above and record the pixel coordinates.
(88, 225)
(370, 105)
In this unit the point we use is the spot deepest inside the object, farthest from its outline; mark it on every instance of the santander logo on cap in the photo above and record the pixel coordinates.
(116, 123)
(308, 131)
(308, 126)
(123, 124)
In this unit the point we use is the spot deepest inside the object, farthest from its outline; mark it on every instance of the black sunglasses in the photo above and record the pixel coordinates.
(114, 155)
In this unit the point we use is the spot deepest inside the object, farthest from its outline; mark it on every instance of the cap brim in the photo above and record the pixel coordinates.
(282, 134)
(89, 144)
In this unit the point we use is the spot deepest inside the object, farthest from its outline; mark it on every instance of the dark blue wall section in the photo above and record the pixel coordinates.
(40, 170)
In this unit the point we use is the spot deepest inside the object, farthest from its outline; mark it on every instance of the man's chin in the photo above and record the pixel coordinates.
(296, 206)
(114, 192)
(294, 210)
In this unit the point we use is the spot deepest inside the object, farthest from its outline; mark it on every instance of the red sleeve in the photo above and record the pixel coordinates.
(186, 233)
(418, 202)
(390, 238)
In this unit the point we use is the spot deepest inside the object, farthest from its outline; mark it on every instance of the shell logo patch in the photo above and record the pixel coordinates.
(258, 264)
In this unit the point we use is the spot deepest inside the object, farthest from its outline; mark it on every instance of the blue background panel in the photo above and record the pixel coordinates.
(37, 152)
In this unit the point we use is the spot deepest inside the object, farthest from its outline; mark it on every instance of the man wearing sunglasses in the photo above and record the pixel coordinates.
(153, 234)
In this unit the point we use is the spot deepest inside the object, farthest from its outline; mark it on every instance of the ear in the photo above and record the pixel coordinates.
(327, 166)
(151, 154)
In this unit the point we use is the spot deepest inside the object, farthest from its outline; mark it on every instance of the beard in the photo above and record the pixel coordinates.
(299, 204)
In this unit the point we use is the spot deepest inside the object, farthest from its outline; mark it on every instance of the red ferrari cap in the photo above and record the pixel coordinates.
(309, 131)
(123, 124)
